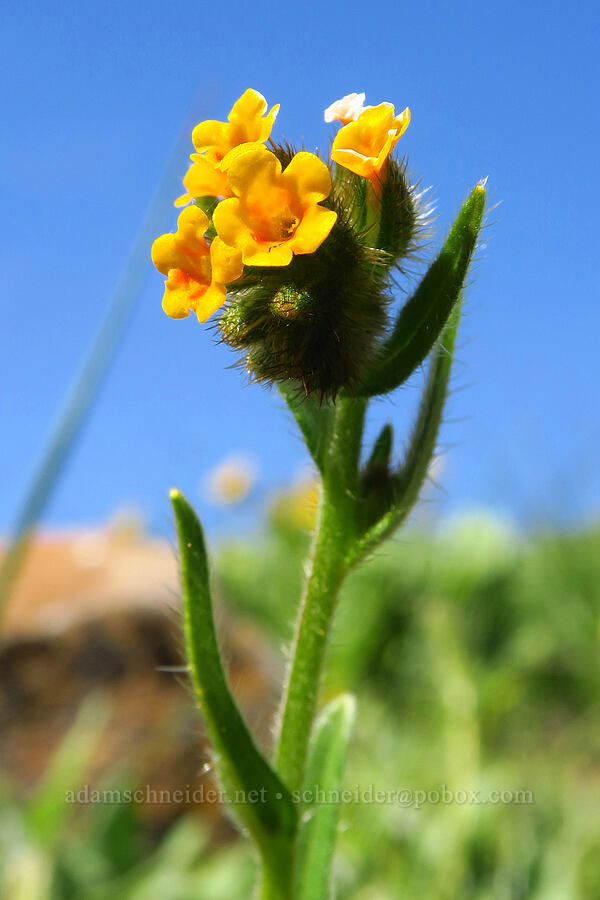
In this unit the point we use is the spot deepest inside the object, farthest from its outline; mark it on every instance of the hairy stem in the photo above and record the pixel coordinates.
(335, 529)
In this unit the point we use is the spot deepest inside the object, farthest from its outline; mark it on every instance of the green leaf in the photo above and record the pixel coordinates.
(423, 317)
(261, 800)
(405, 483)
(375, 482)
(314, 420)
(382, 449)
(208, 206)
(324, 773)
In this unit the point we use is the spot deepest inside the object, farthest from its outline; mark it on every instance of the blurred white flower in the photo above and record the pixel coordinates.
(232, 480)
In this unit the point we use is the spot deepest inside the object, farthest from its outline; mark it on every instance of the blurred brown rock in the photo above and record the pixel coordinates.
(99, 611)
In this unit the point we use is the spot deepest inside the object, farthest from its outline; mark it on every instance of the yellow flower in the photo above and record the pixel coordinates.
(364, 145)
(196, 272)
(274, 214)
(348, 109)
(246, 123)
(213, 140)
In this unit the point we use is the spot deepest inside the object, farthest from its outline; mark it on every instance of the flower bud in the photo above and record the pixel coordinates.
(400, 220)
(289, 303)
(315, 321)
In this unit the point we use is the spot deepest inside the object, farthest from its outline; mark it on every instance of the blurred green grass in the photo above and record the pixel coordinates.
(474, 657)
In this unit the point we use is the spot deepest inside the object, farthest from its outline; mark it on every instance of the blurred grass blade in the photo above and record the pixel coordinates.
(94, 369)
(324, 773)
(50, 808)
(265, 807)
(314, 420)
(423, 317)
(406, 482)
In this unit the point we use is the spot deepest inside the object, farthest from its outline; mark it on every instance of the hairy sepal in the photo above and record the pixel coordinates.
(399, 218)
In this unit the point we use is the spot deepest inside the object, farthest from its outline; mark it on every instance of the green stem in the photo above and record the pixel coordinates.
(335, 529)
(277, 885)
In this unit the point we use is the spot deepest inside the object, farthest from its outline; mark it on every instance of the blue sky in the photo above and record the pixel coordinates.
(97, 95)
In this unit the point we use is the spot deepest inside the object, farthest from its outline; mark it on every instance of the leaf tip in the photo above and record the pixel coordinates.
(343, 705)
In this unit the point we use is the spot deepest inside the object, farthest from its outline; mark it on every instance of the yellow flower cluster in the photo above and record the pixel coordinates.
(266, 215)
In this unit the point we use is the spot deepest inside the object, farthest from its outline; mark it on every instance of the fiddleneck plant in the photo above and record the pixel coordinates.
(302, 256)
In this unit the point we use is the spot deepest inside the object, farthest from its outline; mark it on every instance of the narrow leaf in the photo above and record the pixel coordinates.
(314, 420)
(423, 317)
(324, 773)
(406, 482)
(375, 483)
(382, 449)
(262, 801)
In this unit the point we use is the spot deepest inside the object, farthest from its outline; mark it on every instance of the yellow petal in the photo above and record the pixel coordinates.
(314, 228)
(383, 154)
(205, 180)
(163, 250)
(353, 161)
(374, 115)
(361, 136)
(398, 126)
(229, 224)
(309, 177)
(251, 105)
(211, 135)
(212, 299)
(226, 262)
(177, 299)
(256, 253)
(402, 122)
(252, 173)
(193, 220)
(237, 151)
(267, 123)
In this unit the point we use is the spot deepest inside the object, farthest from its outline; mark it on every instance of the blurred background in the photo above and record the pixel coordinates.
(475, 658)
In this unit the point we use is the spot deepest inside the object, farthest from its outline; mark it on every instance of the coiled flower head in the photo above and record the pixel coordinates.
(302, 249)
